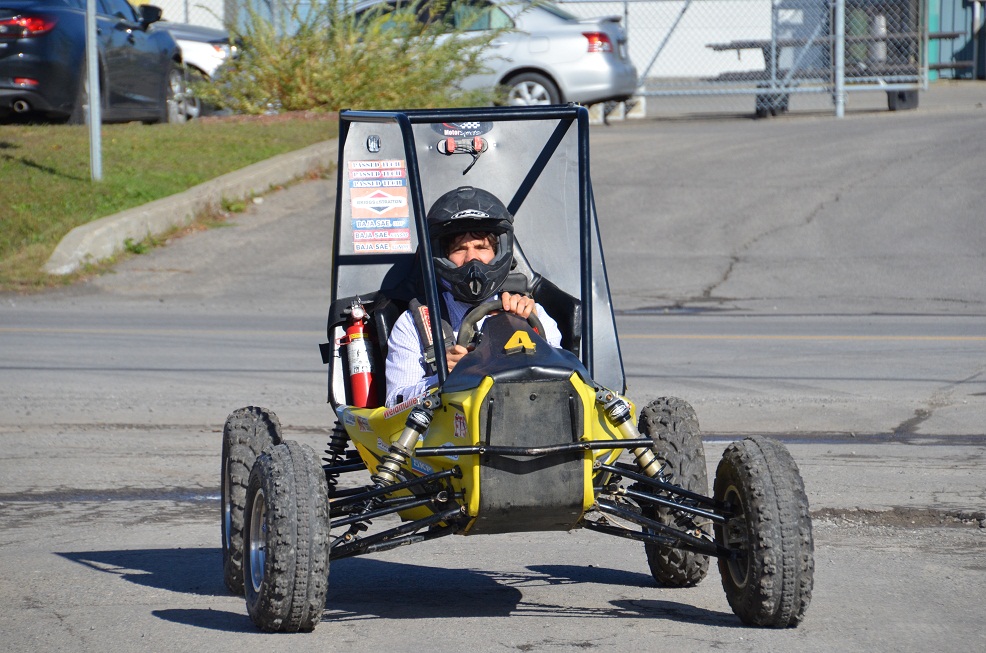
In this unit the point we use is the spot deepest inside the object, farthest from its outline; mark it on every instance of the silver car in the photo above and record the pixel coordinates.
(548, 56)
(203, 50)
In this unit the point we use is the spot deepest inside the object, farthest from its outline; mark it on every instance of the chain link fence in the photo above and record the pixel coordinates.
(772, 49)
(208, 13)
(703, 50)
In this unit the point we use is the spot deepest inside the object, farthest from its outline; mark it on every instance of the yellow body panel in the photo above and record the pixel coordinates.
(456, 424)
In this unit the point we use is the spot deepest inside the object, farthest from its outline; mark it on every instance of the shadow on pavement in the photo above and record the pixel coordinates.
(188, 571)
(396, 590)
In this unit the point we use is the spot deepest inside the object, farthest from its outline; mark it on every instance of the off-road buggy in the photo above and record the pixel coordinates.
(520, 436)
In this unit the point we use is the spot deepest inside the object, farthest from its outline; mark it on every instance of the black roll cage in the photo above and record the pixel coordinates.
(567, 116)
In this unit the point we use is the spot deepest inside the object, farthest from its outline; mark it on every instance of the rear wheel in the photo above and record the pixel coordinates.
(194, 107)
(287, 540)
(528, 89)
(672, 425)
(175, 108)
(246, 433)
(80, 108)
(769, 580)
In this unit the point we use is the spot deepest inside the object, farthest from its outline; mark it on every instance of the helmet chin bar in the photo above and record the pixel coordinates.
(475, 282)
(471, 210)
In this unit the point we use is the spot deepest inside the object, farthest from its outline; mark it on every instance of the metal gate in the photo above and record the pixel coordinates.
(772, 49)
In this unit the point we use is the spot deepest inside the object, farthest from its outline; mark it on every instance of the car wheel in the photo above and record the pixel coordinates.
(286, 570)
(175, 96)
(528, 89)
(247, 432)
(672, 426)
(193, 105)
(768, 581)
(80, 108)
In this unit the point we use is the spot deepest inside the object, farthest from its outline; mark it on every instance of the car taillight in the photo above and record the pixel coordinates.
(598, 41)
(20, 27)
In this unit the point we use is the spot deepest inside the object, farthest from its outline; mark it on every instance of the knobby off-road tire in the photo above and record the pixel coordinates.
(673, 426)
(286, 568)
(769, 583)
(246, 433)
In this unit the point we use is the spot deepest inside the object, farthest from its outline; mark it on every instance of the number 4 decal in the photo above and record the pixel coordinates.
(519, 341)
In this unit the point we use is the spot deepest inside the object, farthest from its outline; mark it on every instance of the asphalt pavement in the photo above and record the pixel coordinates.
(813, 280)
(106, 237)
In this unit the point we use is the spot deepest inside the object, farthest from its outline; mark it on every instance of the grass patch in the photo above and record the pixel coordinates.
(46, 189)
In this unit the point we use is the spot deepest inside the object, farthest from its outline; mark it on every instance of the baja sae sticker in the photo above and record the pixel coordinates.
(380, 211)
(381, 223)
(377, 247)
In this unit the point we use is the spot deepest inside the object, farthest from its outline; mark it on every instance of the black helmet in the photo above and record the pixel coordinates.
(466, 210)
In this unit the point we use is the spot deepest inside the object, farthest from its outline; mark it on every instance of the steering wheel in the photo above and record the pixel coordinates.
(467, 330)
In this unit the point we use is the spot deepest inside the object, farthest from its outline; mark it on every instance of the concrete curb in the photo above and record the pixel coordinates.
(103, 238)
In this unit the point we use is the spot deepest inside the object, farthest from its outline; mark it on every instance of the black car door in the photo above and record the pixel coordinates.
(133, 76)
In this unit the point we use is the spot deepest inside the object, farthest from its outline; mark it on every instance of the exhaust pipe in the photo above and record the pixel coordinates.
(21, 106)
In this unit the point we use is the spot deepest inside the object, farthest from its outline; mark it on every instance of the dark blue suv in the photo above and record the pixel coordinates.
(42, 62)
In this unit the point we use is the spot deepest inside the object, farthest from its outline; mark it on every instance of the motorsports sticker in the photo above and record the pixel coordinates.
(461, 129)
(379, 206)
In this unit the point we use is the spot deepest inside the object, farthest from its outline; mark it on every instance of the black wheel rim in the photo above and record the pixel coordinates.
(735, 537)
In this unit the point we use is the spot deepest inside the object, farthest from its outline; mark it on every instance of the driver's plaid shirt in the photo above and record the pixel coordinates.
(406, 374)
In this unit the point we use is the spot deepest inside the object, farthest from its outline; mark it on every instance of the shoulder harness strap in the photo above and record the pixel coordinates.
(422, 322)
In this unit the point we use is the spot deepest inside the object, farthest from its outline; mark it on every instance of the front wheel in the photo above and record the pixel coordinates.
(768, 580)
(287, 540)
(672, 425)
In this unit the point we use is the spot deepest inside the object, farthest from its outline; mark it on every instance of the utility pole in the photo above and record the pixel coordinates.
(94, 115)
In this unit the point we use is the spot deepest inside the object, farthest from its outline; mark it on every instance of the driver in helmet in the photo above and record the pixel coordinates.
(471, 235)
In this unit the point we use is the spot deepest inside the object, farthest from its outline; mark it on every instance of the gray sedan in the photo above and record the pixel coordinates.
(546, 55)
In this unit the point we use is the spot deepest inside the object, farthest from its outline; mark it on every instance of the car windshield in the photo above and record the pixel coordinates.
(466, 15)
(479, 16)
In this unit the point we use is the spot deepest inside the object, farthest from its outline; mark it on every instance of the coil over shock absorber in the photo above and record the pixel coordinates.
(338, 442)
(389, 470)
(618, 411)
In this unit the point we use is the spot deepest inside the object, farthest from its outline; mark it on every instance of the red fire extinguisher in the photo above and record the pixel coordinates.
(360, 356)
